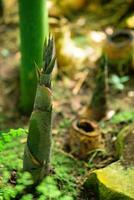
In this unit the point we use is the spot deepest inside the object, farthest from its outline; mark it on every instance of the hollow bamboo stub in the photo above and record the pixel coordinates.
(85, 136)
(119, 49)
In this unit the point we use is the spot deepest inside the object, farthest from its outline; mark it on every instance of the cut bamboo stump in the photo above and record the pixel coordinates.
(84, 137)
(118, 49)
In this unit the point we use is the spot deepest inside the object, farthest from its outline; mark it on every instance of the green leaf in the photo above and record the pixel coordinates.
(27, 197)
(124, 116)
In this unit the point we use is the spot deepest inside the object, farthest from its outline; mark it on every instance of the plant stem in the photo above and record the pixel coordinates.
(33, 30)
(38, 147)
(99, 101)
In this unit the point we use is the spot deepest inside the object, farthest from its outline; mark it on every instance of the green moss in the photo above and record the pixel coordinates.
(121, 137)
(63, 182)
(113, 182)
(108, 194)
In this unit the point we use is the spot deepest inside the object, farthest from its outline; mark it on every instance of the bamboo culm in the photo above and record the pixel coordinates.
(33, 31)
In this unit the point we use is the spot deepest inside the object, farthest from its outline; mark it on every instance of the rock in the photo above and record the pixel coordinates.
(114, 182)
(125, 145)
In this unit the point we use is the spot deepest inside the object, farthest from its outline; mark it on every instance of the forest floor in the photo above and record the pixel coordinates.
(72, 91)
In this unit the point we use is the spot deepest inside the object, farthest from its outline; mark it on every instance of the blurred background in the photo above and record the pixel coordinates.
(80, 29)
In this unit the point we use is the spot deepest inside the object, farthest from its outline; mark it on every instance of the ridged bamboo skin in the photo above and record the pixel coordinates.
(38, 147)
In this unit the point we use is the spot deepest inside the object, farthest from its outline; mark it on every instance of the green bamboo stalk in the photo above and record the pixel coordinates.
(38, 147)
(33, 30)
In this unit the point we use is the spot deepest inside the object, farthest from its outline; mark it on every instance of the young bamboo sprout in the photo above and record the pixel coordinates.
(38, 147)
(99, 101)
(97, 107)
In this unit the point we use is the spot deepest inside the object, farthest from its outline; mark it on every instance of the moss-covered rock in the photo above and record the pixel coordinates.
(112, 183)
(125, 145)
